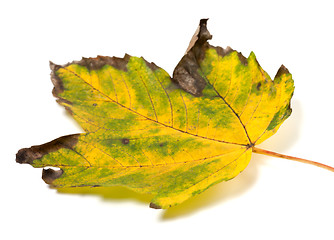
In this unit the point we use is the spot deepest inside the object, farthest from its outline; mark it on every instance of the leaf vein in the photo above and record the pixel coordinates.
(148, 94)
(218, 94)
(121, 105)
(170, 102)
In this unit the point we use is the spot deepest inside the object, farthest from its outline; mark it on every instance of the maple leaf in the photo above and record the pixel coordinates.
(170, 137)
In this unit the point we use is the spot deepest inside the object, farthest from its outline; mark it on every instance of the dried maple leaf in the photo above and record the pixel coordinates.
(170, 137)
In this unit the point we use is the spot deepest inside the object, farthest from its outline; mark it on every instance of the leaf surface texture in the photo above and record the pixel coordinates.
(170, 137)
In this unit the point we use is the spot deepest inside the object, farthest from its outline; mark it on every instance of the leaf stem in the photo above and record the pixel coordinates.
(274, 154)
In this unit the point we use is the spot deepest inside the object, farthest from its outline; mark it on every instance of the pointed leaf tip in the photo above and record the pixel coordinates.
(242, 59)
(282, 70)
(155, 206)
(186, 72)
(28, 155)
(52, 65)
(204, 33)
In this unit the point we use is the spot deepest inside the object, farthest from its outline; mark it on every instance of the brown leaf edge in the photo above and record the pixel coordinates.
(186, 73)
(28, 155)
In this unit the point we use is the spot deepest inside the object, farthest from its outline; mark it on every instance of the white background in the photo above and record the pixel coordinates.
(272, 199)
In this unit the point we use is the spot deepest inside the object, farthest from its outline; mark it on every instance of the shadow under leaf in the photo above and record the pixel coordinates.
(116, 193)
(216, 194)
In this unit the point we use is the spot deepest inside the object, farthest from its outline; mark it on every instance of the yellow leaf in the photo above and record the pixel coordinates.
(170, 137)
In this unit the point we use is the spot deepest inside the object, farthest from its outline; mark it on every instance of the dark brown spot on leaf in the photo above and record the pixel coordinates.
(258, 86)
(125, 141)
